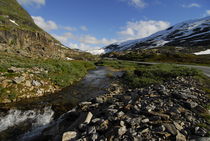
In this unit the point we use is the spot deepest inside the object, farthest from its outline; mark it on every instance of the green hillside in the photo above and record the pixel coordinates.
(11, 10)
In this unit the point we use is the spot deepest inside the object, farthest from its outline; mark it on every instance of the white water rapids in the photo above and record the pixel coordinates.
(16, 117)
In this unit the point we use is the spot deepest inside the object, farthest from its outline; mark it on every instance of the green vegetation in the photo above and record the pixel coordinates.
(10, 9)
(65, 73)
(156, 74)
(164, 54)
(118, 65)
(61, 72)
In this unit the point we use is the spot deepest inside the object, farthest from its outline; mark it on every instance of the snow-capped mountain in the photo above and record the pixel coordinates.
(185, 34)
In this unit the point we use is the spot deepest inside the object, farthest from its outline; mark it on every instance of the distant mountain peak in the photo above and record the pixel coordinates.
(185, 34)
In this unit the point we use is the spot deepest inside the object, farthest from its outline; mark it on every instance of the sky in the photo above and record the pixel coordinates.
(93, 24)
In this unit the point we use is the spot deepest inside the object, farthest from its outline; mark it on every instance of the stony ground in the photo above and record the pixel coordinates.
(171, 111)
(21, 83)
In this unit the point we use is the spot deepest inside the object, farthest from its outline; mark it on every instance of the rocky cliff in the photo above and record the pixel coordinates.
(20, 35)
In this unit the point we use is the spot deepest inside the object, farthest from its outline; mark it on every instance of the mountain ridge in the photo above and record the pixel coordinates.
(189, 33)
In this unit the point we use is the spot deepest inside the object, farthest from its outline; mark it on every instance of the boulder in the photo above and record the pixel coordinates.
(171, 128)
(88, 118)
(68, 136)
(36, 83)
(180, 137)
(28, 83)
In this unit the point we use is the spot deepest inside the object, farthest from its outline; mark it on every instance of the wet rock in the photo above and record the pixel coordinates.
(183, 95)
(178, 126)
(85, 103)
(164, 116)
(91, 130)
(200, 131)
(201, 109)
(99, 100)
(145, 131)
(160, 128)
(94, 137)
(145, 120)
(68, 136)
(103, 125)
(171, 128)
(120, 114)
(191, 104)
(122, 130)
(201, 139)
(88, 118)
(180, 137)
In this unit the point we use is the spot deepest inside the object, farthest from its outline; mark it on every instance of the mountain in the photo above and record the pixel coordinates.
(20, 35)
(186, 34)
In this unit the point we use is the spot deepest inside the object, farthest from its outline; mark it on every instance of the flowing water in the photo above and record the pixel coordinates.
(28, 117)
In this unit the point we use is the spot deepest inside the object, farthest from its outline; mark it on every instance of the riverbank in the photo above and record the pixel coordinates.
(24, 78)
(26, 115)
(174, 110)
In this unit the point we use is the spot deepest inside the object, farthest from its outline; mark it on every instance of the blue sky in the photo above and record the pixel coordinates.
(92, 24)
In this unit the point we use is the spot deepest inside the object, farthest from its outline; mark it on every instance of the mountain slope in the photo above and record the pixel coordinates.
(185, 34)
(20, 35)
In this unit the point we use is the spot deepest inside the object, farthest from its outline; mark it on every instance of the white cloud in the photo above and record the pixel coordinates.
(135, 3)
(192, 5)
(68, 28)
(84, 28)
(32, 2)
(46, 25)
(208, 12)
(64, 38)
(85, 42)
(83, 46)
(88, 39)
(141, 29)
(138, 3)
(85, 39)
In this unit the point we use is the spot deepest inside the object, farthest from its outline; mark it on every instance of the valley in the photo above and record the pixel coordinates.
(150, 82)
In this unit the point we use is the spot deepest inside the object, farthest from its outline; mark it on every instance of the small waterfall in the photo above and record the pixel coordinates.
(16, 117)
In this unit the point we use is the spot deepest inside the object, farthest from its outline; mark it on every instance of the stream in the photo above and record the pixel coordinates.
(27, 117)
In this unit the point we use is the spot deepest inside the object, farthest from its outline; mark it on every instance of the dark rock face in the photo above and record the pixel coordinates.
(160, 112)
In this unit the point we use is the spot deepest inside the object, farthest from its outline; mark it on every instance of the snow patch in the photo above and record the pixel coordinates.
(69, 59)
(13, 22)
(184, 30)
(203, 52)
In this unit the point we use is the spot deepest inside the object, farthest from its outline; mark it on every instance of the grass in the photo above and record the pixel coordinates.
(15, 12)
(137, 75)
(156, 74)
(165, 55)
(61, 72)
